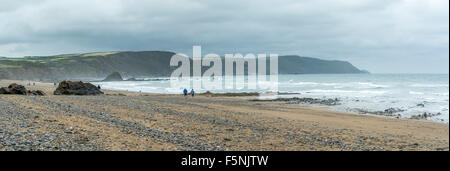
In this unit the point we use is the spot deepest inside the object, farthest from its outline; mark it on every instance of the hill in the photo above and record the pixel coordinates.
(308, 65)
(137, 64)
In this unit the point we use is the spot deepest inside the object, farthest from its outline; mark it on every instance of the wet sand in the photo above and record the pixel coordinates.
(138, 121)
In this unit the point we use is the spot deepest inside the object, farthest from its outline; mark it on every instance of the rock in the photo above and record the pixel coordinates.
(77, 88)
(388, 112)
(115, 76)
(391, 111)
(17, 89)
(4, 90)
(36, 93)
(424, 116)
(296, 100)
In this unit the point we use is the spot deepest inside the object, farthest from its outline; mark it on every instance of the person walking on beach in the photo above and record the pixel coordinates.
(185, 92)
(192, 93)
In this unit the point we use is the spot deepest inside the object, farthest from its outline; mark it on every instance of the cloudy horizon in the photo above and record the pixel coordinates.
(382, 36)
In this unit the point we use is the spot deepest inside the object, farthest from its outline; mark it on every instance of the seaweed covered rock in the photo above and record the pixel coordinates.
(77, 88)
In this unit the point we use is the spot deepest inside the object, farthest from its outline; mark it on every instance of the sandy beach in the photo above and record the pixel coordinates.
(153, 122)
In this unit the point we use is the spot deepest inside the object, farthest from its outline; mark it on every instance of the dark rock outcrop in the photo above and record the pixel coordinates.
(17, 89)
(20, 90)
(77, 88)
(115, 76)
(36, 93)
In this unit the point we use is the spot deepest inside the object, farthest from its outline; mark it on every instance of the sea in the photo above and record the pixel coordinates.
(393, 95)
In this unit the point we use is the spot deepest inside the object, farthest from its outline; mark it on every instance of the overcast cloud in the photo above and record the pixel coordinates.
(390, 36)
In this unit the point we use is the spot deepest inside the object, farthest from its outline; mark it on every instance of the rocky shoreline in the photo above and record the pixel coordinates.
(390, 112)
(297, 100)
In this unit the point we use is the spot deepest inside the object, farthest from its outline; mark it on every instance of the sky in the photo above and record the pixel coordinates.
(382, 36)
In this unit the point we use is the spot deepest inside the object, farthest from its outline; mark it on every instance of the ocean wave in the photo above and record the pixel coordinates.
(416, 93)
(339, 85)
(311, 84)
(429, 85)
(368, 84)
(441, 94)
(348, 91)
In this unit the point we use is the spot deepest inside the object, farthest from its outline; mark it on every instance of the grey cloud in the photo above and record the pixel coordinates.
(378, 35)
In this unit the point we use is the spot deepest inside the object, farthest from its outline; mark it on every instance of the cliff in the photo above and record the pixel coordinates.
(137, 64)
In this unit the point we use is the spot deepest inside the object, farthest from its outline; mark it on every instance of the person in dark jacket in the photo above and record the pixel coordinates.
(185, 92)
(192, 93)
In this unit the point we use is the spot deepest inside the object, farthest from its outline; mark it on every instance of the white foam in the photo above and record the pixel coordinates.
(429, 85)
(441, 94)
(337, 85)
(416, 93)
(372, 85)
(347, 91)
